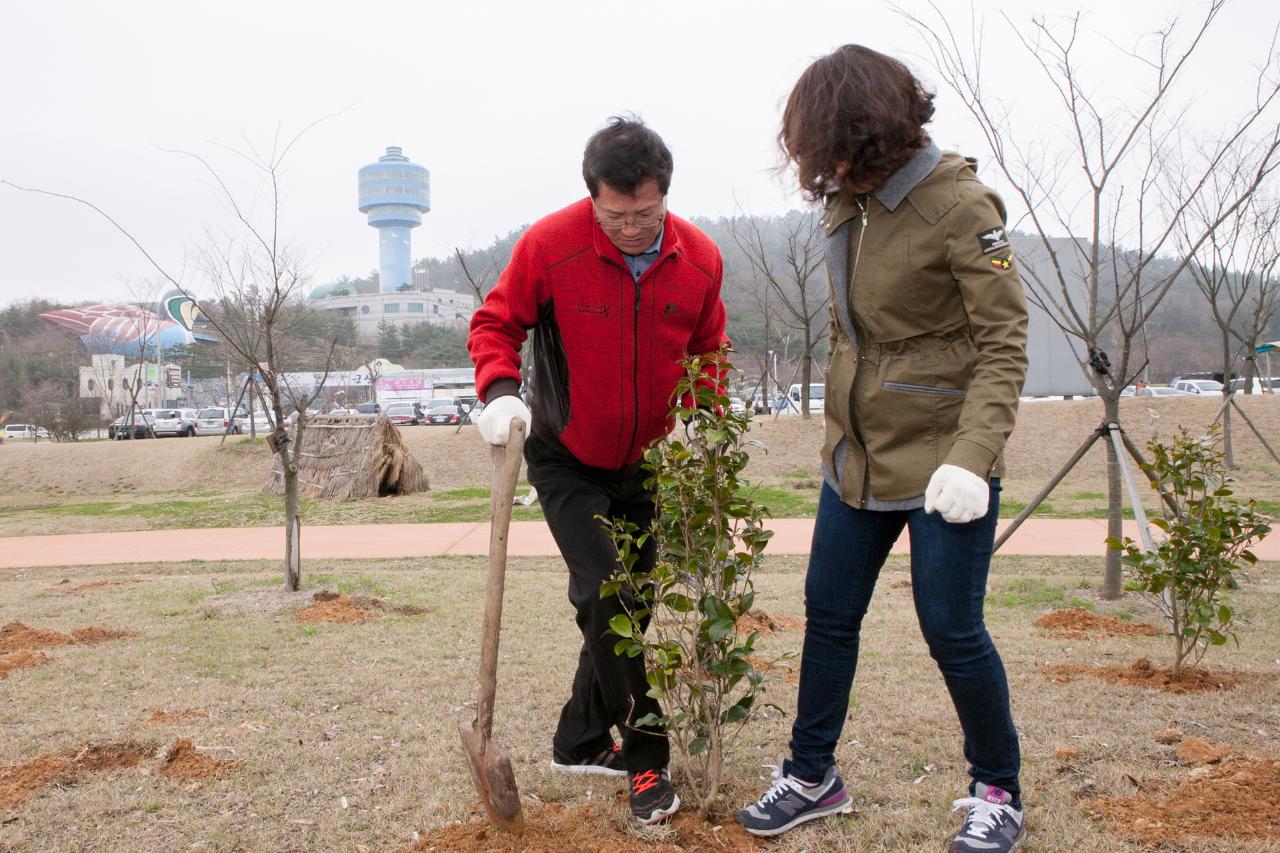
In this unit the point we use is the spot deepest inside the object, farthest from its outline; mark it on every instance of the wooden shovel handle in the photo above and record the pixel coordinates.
(506, 475)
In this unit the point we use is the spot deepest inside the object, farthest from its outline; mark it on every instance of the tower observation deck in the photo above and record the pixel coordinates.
(394, 193)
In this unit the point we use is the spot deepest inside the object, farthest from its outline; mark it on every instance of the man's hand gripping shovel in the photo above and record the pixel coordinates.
(490, 765)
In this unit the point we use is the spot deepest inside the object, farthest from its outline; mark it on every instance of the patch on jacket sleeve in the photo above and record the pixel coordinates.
(1002, 262)
(993, 240)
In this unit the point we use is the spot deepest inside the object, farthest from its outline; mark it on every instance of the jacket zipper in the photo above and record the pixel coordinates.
(853, 334)
(635, 375)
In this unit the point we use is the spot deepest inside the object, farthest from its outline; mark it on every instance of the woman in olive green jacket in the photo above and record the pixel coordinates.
(928, 355)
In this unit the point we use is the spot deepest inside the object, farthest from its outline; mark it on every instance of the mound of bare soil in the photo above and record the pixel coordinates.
(1143, 674)
(94, 585)
(555, 828)
(1238, 799)
(758, 620)
(21, 660)
(786, 670)
(182, 761)
(1200, 752)
(16, 637)
(1076, 623)
(20, 782)
(173, 718)
(336, 607)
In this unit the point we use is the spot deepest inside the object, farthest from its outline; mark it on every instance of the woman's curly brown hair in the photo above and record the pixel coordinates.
(854, 106)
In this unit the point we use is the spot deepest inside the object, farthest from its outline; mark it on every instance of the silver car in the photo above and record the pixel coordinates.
(176, 422)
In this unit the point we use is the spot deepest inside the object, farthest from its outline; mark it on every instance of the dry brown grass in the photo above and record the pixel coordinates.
(315, 713)
(33, 475)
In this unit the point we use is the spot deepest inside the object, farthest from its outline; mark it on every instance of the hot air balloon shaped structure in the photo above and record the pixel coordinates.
(129, 330)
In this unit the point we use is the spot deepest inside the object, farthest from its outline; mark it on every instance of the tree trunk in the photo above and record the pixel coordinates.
(1115, 501)
(1226, 392)
(292, 527)
(806, 373)
(715, 767)
(1226, 437)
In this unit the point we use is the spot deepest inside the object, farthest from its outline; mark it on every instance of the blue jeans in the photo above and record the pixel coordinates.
(949, 564)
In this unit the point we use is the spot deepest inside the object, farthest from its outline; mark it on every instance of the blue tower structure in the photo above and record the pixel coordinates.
(395, 193)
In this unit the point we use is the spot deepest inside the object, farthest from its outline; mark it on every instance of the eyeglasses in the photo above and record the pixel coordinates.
(638, 224)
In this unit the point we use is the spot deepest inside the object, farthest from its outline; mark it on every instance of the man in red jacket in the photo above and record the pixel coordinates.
(617, 292)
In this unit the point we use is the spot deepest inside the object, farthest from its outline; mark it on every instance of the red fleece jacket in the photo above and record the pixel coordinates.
(607, 348)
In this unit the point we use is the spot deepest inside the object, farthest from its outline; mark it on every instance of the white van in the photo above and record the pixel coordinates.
(817, 396)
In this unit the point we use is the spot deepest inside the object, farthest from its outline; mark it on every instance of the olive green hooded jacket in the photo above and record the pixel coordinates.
(928, 333)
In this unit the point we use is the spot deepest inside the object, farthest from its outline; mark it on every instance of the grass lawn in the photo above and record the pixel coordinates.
(344, 735)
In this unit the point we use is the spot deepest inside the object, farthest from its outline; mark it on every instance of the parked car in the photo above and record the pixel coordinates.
(25, 431)
(341, 411)
(368, 408)
(1160, 391)
(142, 426)
(403, 414)
(216, 421)
(1199, 387)
(444, 410)
(737, 406)
(473, 412)
(1261, 385)
(176, 422)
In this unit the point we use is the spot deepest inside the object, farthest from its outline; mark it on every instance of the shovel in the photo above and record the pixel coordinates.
(490, 764)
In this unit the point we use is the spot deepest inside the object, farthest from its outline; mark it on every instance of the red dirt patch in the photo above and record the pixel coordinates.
(1238, 799)
(16, 637)
(1143, 674)
(21, 660)
(787, 670)
(98, 634)
(20, 782)
(334, 607)
(173, 718)
(1076, 623)
(758, 620)
(182, 761)
(1196, 751)
(85, 587)
(555, 828)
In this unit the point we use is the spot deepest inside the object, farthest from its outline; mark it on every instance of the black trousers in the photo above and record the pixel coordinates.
(608, 690)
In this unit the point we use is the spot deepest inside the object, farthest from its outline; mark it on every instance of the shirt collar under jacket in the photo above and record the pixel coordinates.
(641, 262)
(892, 192)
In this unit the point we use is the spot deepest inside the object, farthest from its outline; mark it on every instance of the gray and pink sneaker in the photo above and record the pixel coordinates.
(790, 802)
(993, 824)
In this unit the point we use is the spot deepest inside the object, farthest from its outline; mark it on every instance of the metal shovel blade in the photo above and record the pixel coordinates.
(494, 779)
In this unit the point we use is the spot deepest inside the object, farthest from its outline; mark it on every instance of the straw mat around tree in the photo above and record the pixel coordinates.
(345, 457)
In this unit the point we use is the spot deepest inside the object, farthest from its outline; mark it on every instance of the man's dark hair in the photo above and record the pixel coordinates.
(854, 106)
(624, 154)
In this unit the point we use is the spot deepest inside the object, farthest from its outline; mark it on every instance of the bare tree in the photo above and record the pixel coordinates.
(795, 283)
(1235, 272)
(1100, 180)
(256, 281)
(482, 279)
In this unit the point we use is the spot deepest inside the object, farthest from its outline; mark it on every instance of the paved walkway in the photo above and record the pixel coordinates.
(384, 541)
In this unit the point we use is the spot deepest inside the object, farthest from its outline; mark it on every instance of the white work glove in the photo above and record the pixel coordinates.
(693, 435)
(495, 420)
(959, 495)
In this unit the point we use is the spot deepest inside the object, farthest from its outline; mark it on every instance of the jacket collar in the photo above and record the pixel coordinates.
(891, 193)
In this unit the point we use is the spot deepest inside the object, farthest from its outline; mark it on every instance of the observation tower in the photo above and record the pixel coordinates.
(394, 193)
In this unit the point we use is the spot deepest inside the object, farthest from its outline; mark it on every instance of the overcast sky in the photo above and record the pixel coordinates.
(496, 99)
